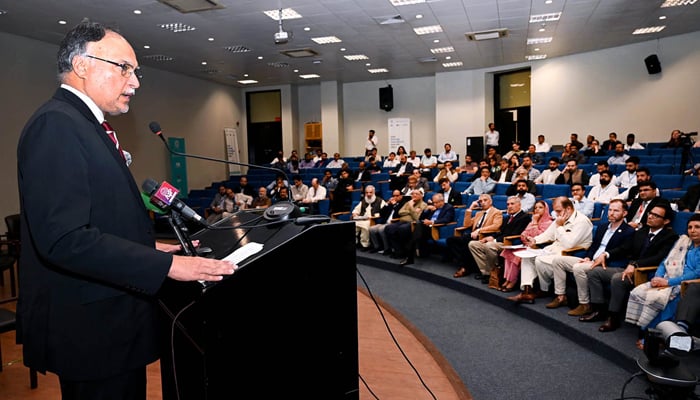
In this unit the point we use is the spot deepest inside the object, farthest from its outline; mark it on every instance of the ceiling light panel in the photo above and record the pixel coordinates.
(287, 13)
(424, 30)
(247, 81)
(177, 27)
(677, 3)
(536, 57)
(377, 70)
(649, 29)
(539, 18)
(440, 50)
(309, 76)
(539, 40)
(356, 57)
(405, 2)
(326, 40)
(452, 64)
(237, 49)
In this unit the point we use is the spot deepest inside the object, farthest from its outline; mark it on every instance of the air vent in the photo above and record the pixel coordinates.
(278, 64)
(390, 20)
(188, 6)
(158, 57)
(428, 59)
(486, 35)
(237, 49)
(299, 53)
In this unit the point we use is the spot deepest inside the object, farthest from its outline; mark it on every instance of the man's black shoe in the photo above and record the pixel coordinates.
(405, 261)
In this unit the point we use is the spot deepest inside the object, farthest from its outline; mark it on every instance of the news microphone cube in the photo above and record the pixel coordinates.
(164, 196)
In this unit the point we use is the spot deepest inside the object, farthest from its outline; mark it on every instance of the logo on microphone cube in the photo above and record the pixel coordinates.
(166, 194)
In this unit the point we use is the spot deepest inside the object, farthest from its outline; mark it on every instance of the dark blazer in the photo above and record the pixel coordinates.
(658, 249)
(622, 235)
(636, 203)
(409, 168)
(385, 212)
(497, 176)
(690, 199)
(515, 227)
(455, 197)
(89, 266)
(447, 214)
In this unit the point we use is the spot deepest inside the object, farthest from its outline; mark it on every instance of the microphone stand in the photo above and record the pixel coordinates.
(182, 233)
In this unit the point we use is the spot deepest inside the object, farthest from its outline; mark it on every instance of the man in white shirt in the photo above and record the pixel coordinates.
(298, 189)
(371, 142)
(315, 194)
(492, 136)
(413, 159)
(391, 161)
(604, 191)
(579, 200)
(600, 167)
(447, 155)
(631, 144)
(541, 146)
(549, 176)
(428, 163)
(336, 162)
(569, 229)
(619, 158)
(628, 177)
(368, 207)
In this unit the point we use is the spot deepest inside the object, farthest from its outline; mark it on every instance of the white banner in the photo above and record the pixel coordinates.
(399, 134)
(232, 152)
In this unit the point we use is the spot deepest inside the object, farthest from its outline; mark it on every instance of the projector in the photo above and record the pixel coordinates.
(281, 37)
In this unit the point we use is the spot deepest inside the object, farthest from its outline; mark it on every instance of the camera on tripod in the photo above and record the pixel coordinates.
(686, 138)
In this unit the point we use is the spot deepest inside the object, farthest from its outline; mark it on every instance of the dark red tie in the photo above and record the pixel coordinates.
(110, 132)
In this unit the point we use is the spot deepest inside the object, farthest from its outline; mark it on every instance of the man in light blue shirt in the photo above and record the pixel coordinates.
(484, 184)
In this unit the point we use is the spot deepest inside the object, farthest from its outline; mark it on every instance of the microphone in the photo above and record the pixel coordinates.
(282, 213)
(165, 196)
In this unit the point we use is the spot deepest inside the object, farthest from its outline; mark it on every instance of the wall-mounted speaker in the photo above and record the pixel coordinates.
(653, 64)
(386, 98)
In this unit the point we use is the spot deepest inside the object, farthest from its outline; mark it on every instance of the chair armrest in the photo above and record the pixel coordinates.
(458, 230)
(573, 250)
(641, 274)
(685, 284)
(508, 240)
(435, 229)
(337, 215)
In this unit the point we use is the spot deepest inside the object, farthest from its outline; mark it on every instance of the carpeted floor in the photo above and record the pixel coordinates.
(504, 351)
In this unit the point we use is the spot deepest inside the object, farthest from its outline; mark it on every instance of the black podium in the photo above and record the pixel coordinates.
(283, 326)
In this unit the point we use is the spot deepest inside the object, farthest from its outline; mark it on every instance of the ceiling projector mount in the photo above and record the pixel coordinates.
(281, 37)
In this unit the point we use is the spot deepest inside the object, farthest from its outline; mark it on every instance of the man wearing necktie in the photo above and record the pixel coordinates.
(438, 212)
(648, 247)
(90, 264)
(639, 208)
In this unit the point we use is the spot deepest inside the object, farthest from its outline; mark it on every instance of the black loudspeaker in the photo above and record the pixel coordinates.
(386, 98)
(653, 64)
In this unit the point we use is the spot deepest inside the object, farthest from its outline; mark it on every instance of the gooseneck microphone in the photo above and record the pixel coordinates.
(164, 196)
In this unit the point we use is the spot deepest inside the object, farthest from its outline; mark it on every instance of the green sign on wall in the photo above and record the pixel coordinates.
(178, 166)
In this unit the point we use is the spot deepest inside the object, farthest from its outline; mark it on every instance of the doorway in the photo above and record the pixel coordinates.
(264, 110)
(512, 108)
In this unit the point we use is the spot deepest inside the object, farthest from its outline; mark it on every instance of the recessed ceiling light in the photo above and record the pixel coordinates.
(62, 22)
(536, 57)
(247, 81)
(662, 17)
(356, 57)
(676, 3)
(548, 2)
(245, 75)
(309, 76)
(260, 57)
(539, 40)
(137, 12)
(368, 64)
(439, 50)
(452, 64)
(211, 39)
(204, 63)
(537, 49)
(177, 27)
(287, 13)
(296, 70)
(405, 2)
(424, 30)
(306, 28)
(145, 46)
(378, 71)
(326, 40)
(545, 17)
(342, 49)
(436, 40)
(448, 58)
(419, 16)
(649, 29)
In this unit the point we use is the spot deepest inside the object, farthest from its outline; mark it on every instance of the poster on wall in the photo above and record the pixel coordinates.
(399, 133)
(232, 152)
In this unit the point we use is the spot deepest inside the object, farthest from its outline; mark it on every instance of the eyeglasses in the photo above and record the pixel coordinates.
(127, 70)
(655, 215)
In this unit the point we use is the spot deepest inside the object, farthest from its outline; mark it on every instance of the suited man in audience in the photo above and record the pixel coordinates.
(641, 206)
(572, 174)
(398, 175)
(377, 235)
(451, 195)
(643, 250)
(399, 232)
(690, 200)
(487, 221)
(485, 250)
(612, 142)
(438, 212)
(613, 234)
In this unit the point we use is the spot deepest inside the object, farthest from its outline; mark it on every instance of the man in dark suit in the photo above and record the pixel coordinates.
(438, 212)
(614, 233)
(452, 196)
(639, 208)
(485, 250)
(643, 250)
(688, 312)
(611, 143)
(377, 236)
(398, 175)
(90, 264)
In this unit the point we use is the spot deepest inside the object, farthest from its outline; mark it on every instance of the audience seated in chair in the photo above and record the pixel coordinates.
(483, 184)
(262, 200)
(438, 212)
(399, 232)
(387, 215)
(451, 195)
(369, 207)
(549, 176)
(641, 252)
